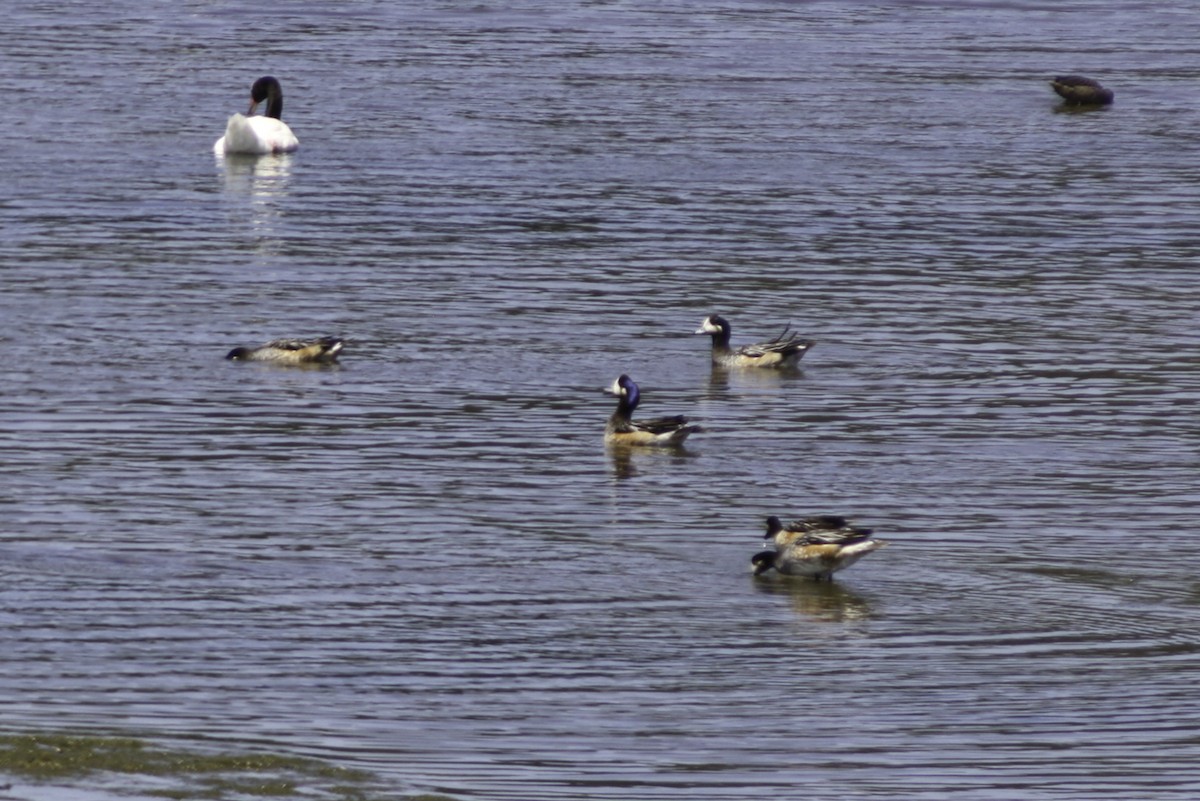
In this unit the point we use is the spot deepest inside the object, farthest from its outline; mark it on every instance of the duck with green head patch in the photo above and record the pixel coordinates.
(781, 352)
(623, 430)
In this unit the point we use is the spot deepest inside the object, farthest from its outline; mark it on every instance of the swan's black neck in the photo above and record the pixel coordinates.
(268, 89)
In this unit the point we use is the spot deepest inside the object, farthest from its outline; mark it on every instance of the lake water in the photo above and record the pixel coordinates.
(425, 564)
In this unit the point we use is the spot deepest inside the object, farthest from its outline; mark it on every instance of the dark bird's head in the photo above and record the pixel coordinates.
(714, 324)
(237, 353)
(762, 561)
(268, 89)
(773, 527)
(625, 389)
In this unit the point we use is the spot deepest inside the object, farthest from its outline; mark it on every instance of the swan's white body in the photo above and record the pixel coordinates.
(256, 136)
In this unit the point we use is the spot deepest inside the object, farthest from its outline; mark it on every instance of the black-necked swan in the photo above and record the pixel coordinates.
(263, 134)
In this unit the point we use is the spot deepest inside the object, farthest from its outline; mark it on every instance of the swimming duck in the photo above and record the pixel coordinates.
(782, 351)
(1077, 90)
(815, 548)
(622, 430)
(816, 530)
(263, 134)
(291, 351)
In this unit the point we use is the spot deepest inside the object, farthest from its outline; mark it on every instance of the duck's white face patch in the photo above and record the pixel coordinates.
(707, 327)
(616, 388)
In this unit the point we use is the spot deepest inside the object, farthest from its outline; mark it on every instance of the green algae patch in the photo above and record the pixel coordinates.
(153, 771)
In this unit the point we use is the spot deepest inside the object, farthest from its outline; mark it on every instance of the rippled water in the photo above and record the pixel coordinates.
(425, 564)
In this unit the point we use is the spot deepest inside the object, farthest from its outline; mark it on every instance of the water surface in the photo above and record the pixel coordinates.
(424, 563)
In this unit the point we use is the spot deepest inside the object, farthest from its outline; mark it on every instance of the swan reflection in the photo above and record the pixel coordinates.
(258, 177)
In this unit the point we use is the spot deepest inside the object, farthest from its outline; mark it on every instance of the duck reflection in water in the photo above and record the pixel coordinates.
(823, 602)
(724, 383)
(624, 460)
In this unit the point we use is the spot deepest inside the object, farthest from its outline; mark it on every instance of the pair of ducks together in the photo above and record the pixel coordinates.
(816, 547)
(782, 352)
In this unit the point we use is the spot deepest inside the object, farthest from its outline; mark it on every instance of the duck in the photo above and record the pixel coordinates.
(663, 432)
(1077, 90)
(782, 351)
(263, 134)
(813, 530)
(816, 547)
(323, 350)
